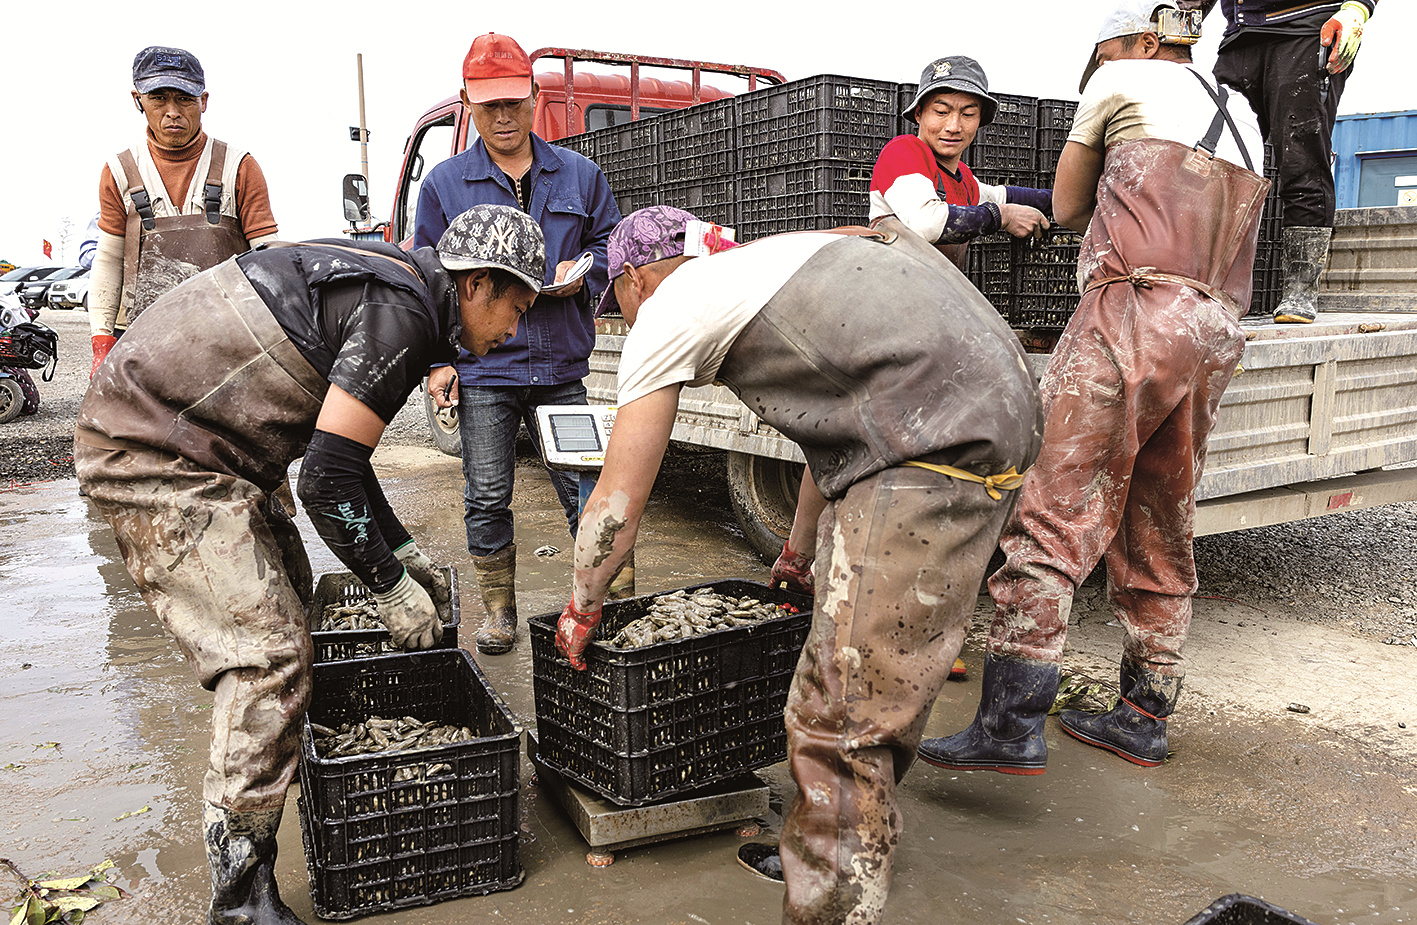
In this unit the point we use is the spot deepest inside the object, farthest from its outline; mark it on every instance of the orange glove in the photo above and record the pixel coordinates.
(793, 571)
(102, 343)
(1343, 32)
(574, 631)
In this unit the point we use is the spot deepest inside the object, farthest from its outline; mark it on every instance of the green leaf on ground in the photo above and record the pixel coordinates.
(136, 812)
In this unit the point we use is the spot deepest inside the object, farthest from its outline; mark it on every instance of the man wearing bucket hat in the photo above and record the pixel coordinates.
(1162, 170)
(922, 178)
(188, 427)
(174, 206)
(1291, 61)
(570, 199)
(913, 457)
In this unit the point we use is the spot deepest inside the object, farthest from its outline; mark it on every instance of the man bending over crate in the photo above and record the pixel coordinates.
(915, 435)
(1162, 170)
(187, 429)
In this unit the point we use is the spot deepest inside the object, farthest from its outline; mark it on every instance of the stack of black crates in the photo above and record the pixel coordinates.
(798, 157)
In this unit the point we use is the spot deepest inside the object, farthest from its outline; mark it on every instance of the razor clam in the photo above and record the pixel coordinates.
(680, 614)
(377, 735)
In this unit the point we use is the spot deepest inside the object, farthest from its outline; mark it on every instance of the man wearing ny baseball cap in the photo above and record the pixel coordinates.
(568, 196)
(174, 206)
(1162, 170)
(186, 431)
(914, 433)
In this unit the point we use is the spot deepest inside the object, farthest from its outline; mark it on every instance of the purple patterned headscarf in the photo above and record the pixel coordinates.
(649, 234)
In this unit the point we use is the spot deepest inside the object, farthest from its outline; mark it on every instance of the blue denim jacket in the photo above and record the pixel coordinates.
(572, 202)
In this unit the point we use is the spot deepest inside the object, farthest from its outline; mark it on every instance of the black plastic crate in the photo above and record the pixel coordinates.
(639, 725)
(905, 96)
(698, 142)
(991, 270)
(629, 155)
(827, 117)
(1045, 280)
(714, 199)
(802, 199)
(1055, 122)
(584, 143)
(1043, 312)
(1238, 909)
(338, 645)
(410, 828)
(1014, 110)
(629, 200)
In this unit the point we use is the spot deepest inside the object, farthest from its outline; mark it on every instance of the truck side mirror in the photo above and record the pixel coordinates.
(356, 198)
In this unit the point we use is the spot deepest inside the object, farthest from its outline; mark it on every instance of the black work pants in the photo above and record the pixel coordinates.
(1296, 102)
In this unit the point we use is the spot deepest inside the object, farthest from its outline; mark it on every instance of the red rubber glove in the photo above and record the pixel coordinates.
(793, 571)
(1344, 33)
(102, 343)
(574, 631)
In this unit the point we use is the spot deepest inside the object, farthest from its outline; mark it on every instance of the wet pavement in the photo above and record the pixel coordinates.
(99, 719)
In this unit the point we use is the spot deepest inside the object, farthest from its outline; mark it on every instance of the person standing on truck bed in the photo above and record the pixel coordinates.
(286, 351)
(568, 196)
(168, 209)
(1162, 170)
(1291, 61)
(914, 433)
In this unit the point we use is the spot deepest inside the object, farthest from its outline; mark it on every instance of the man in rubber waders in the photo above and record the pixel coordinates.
(1163, 171)
(915, 435)
(176, 205)
(188, 427)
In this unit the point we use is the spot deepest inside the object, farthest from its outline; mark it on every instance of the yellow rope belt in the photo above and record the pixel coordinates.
(993, 484)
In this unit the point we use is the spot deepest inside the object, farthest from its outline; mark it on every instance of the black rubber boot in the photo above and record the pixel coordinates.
(1135, 729)
(1304, 252)
(496, 579)
(1007, 732)
(763, 860)
(241, 852)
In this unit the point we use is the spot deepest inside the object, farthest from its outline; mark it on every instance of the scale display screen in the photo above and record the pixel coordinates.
(575, 436)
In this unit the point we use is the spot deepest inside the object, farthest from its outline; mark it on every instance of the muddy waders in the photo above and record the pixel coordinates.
(1135, 729)
(1007, 732)
(496, 578)
(241, 852)
(1305, 251)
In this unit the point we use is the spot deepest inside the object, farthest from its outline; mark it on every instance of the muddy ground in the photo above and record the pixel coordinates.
(103, 735)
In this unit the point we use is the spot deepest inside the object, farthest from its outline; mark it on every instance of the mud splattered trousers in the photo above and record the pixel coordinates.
(900, 559)
(221, 564)
(1129, 398)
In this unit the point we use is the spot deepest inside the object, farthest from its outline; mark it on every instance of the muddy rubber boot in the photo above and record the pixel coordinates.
(1305, 251)
(241, 852)
(496, 577)
(1007, 732)
(763, 860)
(1135, 729)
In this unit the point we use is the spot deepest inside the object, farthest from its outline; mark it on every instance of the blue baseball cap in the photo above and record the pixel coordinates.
(159, 66)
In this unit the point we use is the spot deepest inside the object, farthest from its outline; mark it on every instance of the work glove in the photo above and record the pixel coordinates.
(574, 631)
(102, 343)
(1344, 32)
(793, 571)
(433, 579)
(408, 612)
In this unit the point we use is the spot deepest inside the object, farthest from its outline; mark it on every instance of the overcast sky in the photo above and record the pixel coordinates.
(282, 77)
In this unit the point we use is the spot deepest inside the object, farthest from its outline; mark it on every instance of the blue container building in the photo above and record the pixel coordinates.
(1375, 159)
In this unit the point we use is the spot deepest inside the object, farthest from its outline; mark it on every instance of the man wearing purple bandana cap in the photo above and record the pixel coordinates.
(915, 435)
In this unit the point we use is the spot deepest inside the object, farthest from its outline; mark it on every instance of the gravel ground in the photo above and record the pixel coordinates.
(1352, 571)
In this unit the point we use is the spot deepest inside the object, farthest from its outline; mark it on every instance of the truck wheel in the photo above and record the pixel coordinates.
(442, 424)
(764, 495)
(12, 400)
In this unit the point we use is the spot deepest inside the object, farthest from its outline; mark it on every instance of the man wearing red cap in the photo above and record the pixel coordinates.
(568, 196)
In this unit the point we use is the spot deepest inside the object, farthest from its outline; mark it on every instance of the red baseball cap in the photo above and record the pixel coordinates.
(496, 68)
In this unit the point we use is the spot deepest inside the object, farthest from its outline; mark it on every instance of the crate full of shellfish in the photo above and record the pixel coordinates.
(409, 772)
(344, 620)
(681, 690)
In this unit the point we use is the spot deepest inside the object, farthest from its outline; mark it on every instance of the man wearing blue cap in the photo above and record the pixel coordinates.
(168, 209)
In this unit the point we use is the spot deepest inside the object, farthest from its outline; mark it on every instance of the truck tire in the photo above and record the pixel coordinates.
(442, 424)
(764, 495)
(12, 400)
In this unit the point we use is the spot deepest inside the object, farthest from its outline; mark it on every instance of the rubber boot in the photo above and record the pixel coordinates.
(496, 577)
(241, 852)
(1007, 732)
(1305, 251)
(1135, 729)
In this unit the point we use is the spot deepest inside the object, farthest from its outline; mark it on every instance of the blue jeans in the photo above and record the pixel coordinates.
(487, 420)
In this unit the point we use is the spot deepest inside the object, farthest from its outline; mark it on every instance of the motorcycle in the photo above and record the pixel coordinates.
(24, 344)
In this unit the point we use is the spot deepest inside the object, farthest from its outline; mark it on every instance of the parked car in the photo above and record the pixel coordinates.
(70, 293)
(35, 292)
(12, 280)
